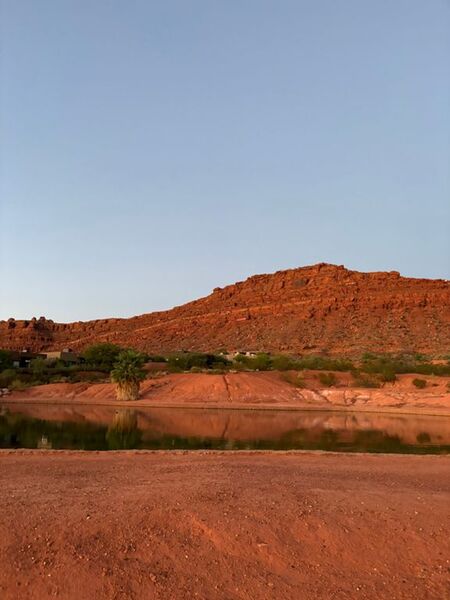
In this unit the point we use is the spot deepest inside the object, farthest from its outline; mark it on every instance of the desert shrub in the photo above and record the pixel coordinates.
(377, 364)
(432, 369)
(238, 366)
(102, 356)
(402, 363)
(259, 362)
(419, 383)
(387, 374)
(187, 360)
(86, 376)
(368, 356)
(300, 382)
(323, 363)
(59, 379)
(364, 381)
(156, 358)
(7, 377)
(327, 379)
(294, 379)
(418, 357)
(39, 369)
(240, 357)
(6, 360)
(281, 362)
(17, 385)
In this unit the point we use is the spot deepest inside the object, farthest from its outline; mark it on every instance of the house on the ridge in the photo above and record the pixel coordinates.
(22, 360)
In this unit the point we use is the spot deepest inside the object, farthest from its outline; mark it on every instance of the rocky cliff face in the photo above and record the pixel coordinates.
(322, 308)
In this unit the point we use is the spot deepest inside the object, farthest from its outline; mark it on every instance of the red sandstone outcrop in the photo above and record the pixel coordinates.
(317, 309)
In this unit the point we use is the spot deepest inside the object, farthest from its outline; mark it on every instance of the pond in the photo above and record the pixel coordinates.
(80, 427)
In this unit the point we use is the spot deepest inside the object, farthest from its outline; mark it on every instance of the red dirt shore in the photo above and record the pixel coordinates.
(255, 390)
(219, 526)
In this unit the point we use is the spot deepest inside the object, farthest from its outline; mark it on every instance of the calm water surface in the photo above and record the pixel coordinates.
(107, 428)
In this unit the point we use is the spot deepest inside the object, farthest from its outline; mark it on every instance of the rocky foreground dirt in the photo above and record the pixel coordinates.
(310, 310)
(218, 526)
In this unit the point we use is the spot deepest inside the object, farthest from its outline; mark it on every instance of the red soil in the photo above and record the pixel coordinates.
(323, 308)
(269, 390)
(215, 526)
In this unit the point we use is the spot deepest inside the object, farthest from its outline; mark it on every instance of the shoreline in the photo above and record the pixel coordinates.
(201, 405)
(211, 452)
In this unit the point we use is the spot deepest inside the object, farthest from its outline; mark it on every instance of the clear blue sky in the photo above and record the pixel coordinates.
(152, 150)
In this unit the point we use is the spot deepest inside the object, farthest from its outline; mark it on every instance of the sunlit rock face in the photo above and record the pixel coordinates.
(309, 310)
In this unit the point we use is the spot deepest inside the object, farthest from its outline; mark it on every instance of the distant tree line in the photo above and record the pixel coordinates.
(126, 367)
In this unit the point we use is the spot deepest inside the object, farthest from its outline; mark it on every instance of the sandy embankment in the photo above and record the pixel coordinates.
(255, 390)
(215, 526)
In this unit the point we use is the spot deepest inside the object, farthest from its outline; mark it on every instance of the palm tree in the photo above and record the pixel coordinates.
(127, 374)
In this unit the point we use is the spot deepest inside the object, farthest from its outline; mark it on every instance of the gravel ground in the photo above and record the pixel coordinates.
(211, 525)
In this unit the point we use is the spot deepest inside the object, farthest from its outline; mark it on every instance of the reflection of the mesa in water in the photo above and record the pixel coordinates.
(144, 427)
(255, 425)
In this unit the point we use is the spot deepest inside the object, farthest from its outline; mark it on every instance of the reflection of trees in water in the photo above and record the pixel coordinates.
(123, 433)
(371, 440)
(21, 431)
(423, 438)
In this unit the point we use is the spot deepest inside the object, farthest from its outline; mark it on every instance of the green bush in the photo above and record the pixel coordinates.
(327, 379)
(388, 374)
(402, 363)
(59, 379)
(364, 381)
(295, 380)
(423, 438)
(281, 362)
(431, 369)
(6, 360)
(102, 356)
(323, 363)
(260, 362)
(185, 361)
(419, 383)
(39, 369)
(7, 377)
(156, 358)
(17, 385)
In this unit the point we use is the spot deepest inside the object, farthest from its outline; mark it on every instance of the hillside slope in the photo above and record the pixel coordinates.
(321, 308)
